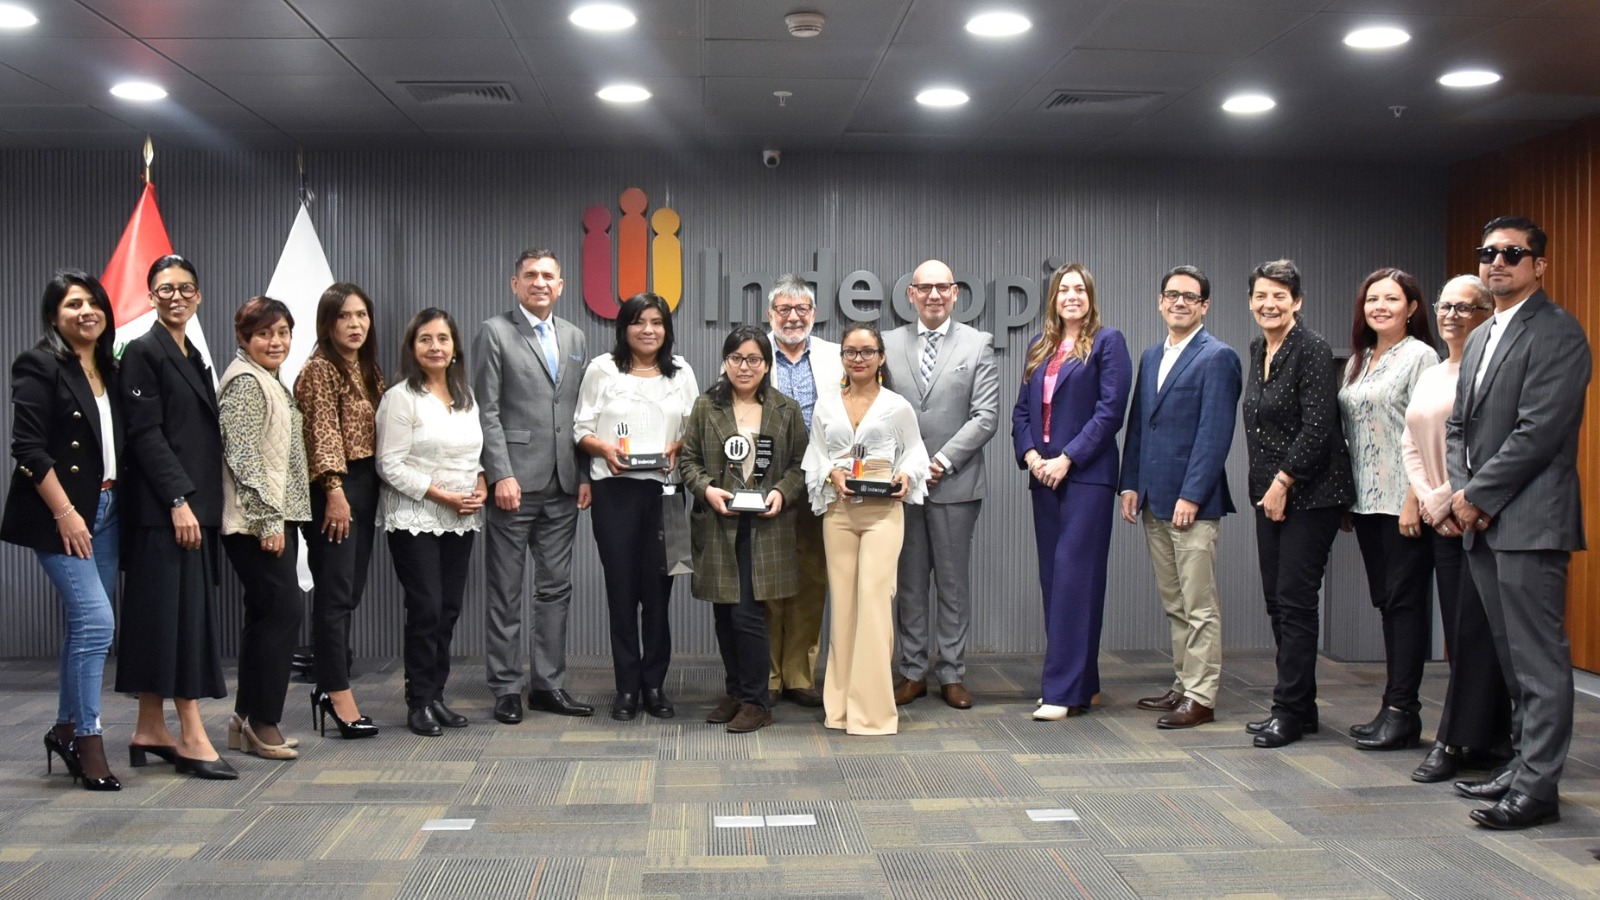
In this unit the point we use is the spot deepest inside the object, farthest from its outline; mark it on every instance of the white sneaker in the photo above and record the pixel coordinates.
(1049, 713)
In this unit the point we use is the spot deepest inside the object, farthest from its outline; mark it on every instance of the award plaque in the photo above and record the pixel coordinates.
(867, 487)
(737, 449)
(642, 438)
(746, 500)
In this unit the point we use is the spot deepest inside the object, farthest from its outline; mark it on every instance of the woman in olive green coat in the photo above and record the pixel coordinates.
(741, 455)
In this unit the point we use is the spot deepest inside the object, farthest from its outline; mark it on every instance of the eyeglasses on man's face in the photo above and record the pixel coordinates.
(940, 287)
(744, 362)
(797, 309)
(1189, 297)
(854, 354)
(1513, 254)
(186, 290)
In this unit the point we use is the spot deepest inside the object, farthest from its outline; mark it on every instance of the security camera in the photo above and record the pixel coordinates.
(771, 158)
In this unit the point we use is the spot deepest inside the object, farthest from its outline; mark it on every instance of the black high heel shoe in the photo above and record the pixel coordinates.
(90, 749)
(322, 710)
(53, 744)
(1399, 730)
(137, 752)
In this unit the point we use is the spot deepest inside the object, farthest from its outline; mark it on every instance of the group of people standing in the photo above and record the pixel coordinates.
(861, 460)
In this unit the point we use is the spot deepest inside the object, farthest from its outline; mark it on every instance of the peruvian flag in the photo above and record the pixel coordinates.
(143, 242)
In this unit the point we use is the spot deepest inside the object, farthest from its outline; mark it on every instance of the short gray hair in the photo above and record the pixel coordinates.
(1482, 297)
(791, 285)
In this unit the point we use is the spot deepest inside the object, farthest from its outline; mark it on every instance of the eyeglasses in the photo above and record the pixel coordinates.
(853, 354)
(785, 312)
(943, 287)
(1185, 296)
(187, 290)
(744, 362)
(1513, 254)
(1457, 309)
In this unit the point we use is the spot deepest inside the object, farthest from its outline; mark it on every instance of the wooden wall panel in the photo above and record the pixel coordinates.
(1552, 180)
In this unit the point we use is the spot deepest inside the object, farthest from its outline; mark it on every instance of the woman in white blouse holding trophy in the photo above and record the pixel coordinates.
(866, 458)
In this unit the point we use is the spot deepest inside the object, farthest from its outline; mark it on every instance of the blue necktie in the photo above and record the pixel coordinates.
(547, 341)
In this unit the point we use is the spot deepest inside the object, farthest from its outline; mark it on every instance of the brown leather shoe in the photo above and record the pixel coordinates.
(1166, 702)
(808, 697)
(750, 718)
(906, 691)
(724, 712)
(956, 696)
(1188, 714)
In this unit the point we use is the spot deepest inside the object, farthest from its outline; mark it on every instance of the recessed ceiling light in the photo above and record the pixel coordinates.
(602, 17)
(1249, 103)
(998, 24)
(16, 17)
(1376, 38)
(1469, 78)
(942, 97)
(142, 91)
(623, 93)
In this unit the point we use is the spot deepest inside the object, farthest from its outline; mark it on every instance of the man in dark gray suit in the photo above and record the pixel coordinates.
(1512, 442)
(527, 365)
(947, 371)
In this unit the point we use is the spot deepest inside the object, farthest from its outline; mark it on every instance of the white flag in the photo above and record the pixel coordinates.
(301, 277)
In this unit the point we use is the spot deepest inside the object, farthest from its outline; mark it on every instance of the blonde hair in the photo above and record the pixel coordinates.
(1054, 328)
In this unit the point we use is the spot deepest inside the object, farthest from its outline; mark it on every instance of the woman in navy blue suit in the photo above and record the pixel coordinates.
(1064, 428)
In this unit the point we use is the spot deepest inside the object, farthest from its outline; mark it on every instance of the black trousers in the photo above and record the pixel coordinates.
(340, 571)
(432, 569)
(742, 629)
(1397, 579)
(626, 515)
(1477, 707)
(273, 606)
(1293, 556)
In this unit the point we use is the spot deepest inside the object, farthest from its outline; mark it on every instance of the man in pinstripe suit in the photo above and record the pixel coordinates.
(1512, 442)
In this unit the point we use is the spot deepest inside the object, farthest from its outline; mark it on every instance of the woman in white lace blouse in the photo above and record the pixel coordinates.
(1391, 343)
(429, 441)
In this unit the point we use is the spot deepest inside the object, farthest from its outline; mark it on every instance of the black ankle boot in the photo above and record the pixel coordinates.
(1367, 730)
(1397, 730)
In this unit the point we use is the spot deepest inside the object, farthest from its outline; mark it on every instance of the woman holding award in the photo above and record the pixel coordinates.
(742, 450)
(866, 458)
(631, 410)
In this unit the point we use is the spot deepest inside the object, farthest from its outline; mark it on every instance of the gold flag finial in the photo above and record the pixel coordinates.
(149, 154)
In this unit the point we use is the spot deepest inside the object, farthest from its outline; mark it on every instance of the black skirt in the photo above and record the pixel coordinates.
(168, 642)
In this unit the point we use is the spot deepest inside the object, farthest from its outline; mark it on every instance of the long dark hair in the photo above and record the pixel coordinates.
(632, 309)
(55, 290)
(721, 392)
(455, 376)
(329, 308)
(883, 359)
(1418, 325)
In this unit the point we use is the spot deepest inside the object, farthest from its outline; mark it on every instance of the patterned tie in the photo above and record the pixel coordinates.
(547, 342)
(930, 353)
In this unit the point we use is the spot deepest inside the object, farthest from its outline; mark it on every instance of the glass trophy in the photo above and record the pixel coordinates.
(642, 438)
(868, 465)
(737, 449)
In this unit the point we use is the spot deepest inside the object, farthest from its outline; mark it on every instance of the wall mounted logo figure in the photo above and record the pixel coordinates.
(638, 258)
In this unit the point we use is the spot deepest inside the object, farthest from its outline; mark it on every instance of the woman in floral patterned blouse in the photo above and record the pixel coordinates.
(338, 391)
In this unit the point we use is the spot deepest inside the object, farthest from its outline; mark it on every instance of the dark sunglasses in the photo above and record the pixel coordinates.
(1513, 254)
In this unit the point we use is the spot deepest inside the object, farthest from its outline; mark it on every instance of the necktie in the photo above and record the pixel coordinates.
(547, 342)
(930, 353)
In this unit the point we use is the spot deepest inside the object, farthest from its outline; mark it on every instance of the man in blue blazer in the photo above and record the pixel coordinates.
(1180, 425)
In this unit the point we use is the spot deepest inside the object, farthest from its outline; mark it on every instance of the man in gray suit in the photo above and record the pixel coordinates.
(527, 365)
(947, 371)
(1512, 443)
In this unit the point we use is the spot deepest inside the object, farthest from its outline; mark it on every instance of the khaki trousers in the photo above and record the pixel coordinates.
(794, 624)
(863, 545)
(1186, 576)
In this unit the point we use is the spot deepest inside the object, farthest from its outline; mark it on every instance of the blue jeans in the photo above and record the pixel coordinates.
(86, 587)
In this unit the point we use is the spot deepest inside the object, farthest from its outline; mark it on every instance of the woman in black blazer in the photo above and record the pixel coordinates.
(1300, 485)
(173, 510)
(65, 433)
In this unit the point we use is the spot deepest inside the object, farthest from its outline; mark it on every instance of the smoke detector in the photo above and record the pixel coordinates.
(804, 24)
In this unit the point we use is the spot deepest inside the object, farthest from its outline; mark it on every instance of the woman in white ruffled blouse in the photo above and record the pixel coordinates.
(866, 432)
(429, 440)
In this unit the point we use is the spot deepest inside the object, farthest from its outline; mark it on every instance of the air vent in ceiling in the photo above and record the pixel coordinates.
(1095, 101)
(461, 93)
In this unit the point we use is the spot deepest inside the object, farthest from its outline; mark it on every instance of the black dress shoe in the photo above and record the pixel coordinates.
(1493, 789)
(1255, 727)
(508, 709)
(624, 706)
(1440, 764)
(657, 704)
(1278, 732)
(559, 702)
(421, 721)
(210, 769)
(1366, 730)
(1399, 730)
(446, 716)
(1517, 810)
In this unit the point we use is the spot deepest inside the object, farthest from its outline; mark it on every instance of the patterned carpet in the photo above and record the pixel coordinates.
(595, 808)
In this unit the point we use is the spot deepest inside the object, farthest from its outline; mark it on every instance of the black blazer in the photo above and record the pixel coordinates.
(55, 424)
(174, 440)
(1292, 423)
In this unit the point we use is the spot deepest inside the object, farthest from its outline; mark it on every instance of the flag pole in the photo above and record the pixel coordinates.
(149, 154)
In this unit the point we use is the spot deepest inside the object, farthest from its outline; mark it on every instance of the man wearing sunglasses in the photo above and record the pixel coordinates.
(947, 371)
(1512, 447)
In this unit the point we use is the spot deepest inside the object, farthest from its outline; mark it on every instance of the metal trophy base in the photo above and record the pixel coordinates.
(748, 501)
(635, 461)
(868, 488)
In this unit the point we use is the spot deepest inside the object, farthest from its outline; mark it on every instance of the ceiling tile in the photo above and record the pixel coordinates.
(20, 90)
(1167, 26)
(68, 19)
(449, 59)
(335, 118)
(1054, 22)
(968, 61)
(793, 58)
(203, 18)
(403, 18)
(306, 90)
(618, 58)
(1134, 69)
(847, 20)
(61, 118)
(678, 95)
(98, 63)
(542, 20)
(251, 56)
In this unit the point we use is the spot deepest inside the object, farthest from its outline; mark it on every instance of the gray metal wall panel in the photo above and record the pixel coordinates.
(441, 229)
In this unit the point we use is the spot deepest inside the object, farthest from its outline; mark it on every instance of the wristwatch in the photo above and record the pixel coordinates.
(180, 502)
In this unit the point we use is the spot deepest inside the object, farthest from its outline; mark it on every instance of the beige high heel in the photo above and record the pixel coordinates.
(253, 744)
(235, 742)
